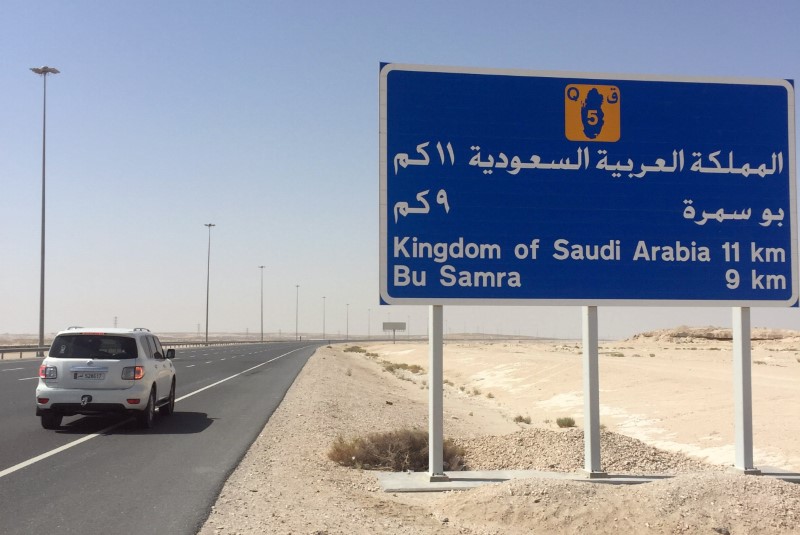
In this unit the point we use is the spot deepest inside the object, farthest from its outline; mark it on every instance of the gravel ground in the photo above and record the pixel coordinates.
(287, 485)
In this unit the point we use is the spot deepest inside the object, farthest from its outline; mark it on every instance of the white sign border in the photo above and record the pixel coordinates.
(383, 192)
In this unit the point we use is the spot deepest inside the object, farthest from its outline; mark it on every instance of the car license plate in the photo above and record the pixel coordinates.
(90, 375)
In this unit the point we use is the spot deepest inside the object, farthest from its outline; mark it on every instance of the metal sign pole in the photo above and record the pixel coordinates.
(436, 394)
(742, 392)
(591, 394)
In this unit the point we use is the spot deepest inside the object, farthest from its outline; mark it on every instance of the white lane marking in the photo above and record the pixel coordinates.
(50, 453)
(74, 443)
(190, 366)
(27, 378)
(12, 369)
(236, 375)
(209, 361)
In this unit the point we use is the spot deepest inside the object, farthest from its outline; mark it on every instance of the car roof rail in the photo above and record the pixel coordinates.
(141, 329)
(71, 327)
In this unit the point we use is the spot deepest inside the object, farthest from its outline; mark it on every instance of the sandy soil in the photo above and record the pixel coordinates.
(666, 407)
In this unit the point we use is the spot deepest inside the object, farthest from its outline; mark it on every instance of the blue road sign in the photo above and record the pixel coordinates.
(518, 187)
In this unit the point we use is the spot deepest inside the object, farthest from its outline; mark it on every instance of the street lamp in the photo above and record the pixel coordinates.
(347, 330)
(43, 72)
(296, 310)
(208, 273)
(323, 317)
(262, 301)
(369, 314)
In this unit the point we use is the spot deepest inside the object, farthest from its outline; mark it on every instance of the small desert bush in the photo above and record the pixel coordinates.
(448, 382)
(476, 391)
(520, 419)
(489, 395)
(355, 349)
(398, 451)
(373, 355)
(566, 421)
(394, 366)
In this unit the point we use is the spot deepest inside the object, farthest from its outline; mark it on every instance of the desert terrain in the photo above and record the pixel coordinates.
(666, 409)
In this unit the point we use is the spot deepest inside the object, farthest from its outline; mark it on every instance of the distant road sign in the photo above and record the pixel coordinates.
(519, 187)
(394, 326)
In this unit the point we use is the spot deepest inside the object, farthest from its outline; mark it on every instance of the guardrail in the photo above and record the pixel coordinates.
(41, 350)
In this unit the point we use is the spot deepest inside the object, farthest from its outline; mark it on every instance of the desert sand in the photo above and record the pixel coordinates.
(666, 408)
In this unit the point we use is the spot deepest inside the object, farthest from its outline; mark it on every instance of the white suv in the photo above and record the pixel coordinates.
(95, 371)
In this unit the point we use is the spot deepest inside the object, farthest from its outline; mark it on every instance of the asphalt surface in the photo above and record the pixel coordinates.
(110, 476)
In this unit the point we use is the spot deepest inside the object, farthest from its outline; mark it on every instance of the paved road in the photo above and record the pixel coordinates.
(110, 476)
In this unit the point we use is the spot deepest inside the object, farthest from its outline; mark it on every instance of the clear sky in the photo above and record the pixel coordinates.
(262, 118)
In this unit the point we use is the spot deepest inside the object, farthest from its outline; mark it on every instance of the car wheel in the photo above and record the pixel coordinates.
(169, 407)
(147, 416)
(51, 420)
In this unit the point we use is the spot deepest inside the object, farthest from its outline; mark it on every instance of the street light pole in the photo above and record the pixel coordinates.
(296, 311)
(262, 301)
(208, 273)
(43, 72)
(347, 331)
(323, 317)
(369, 314)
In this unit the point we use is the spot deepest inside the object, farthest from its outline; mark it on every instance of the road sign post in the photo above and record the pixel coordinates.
(394, 326)
(542, 188)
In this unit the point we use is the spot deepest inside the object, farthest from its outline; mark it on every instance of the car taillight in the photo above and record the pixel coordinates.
(133, 401)
(43, 401)
(47, 372)
(133, 373)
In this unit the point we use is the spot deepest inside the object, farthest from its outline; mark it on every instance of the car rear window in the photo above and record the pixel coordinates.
(93, 346)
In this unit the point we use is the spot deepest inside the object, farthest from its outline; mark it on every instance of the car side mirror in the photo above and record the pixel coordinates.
(170, 353)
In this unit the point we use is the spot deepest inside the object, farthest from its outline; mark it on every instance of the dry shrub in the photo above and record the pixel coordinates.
(397, 451)
(566, 421)
(355, 349)
(394, 366)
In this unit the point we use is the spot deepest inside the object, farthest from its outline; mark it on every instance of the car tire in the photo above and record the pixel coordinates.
(169, 407)
(148, 415)
(51, 420)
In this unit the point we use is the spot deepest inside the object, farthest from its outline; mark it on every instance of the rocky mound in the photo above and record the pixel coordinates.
(686, 334)
(563, 451)
(709, 502)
